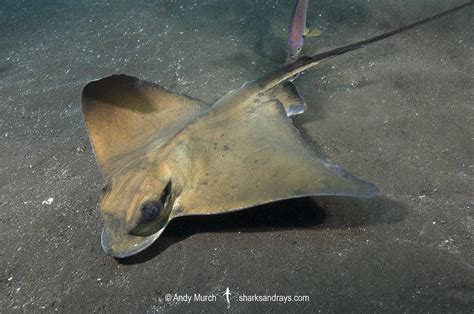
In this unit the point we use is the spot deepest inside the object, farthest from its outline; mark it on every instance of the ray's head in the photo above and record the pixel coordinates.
(136, 206)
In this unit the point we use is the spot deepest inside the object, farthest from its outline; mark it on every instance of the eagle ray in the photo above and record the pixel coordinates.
(167, 155)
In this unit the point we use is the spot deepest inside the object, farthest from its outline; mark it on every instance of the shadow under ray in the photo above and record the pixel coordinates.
(303, 213)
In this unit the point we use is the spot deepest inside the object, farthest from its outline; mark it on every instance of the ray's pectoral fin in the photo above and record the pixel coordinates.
(287, 94)
(258, 157)
(123, 114)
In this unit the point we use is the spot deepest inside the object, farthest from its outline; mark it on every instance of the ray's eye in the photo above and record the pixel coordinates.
(298, 49)
(150, 211)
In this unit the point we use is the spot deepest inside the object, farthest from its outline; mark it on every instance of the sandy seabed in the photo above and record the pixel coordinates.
(398, 114)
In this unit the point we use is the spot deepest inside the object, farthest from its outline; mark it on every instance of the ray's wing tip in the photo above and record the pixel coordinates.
(364, 189)
(91, 86)
(89, 90)
(372, 191)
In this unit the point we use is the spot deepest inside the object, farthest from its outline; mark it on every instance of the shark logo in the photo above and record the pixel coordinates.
(228, 296)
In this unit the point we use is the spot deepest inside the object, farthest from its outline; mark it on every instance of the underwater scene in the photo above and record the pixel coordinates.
(236, 155)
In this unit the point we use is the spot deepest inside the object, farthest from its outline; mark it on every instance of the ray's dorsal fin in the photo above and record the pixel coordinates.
(288, 95)
(123, 114)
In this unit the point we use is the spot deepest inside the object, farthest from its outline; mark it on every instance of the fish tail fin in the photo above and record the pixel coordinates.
(311, 32)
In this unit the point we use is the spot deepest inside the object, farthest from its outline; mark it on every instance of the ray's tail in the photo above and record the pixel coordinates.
(304, 63)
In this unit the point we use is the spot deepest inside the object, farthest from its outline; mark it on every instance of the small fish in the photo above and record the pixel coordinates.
(297, 29)
(166, 155)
